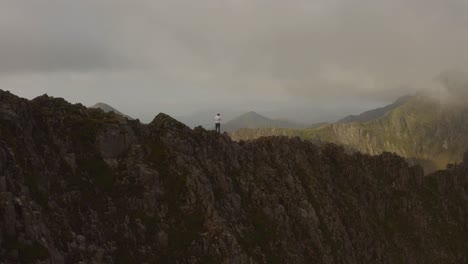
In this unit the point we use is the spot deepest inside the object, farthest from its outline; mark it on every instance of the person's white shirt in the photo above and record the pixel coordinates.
(217, 119)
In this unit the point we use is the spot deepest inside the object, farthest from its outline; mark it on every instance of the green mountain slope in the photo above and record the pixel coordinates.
(375, 113)
(421, 129)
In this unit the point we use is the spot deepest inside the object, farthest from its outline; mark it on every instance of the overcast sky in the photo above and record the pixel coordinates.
(320, 58)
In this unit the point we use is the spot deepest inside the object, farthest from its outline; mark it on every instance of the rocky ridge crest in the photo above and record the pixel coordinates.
(78, 184)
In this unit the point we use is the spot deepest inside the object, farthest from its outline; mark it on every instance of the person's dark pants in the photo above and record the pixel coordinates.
(218, 127)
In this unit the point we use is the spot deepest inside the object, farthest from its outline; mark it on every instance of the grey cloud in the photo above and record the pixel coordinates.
(214, 52)
(48, 36)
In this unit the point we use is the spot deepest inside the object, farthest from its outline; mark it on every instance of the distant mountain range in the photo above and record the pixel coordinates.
(205, 118)
(232, 121)
(420, 128)
(107, 108)
(254, 120)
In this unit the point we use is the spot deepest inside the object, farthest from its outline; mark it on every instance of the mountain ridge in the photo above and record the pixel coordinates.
(422, 128)
(375, 113)
(253, 119)
(79, 184)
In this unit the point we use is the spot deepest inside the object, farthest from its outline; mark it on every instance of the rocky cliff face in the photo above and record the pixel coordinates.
(78, 184)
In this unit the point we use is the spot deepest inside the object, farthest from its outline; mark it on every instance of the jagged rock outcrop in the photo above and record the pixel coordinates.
(78, 184)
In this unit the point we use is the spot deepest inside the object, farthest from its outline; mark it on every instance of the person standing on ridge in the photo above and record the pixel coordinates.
(218, 123)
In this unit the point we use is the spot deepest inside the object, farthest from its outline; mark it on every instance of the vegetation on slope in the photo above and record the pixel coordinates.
(421, 129)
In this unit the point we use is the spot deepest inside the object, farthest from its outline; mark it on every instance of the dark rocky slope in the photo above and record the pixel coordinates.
(78, 184)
